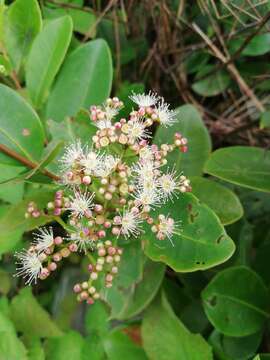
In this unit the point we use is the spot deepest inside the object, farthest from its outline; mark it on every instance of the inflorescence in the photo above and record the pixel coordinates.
(110, 191)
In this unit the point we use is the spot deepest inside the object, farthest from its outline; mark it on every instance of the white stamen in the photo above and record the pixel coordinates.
(29, 266)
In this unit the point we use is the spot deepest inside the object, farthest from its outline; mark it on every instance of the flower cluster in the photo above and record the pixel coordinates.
(111, 191)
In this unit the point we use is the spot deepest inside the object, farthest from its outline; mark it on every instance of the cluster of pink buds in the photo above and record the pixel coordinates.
(32, 211)
(180, 142)
(110, 190)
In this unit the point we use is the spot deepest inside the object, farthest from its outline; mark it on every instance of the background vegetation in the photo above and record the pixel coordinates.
(209, 59)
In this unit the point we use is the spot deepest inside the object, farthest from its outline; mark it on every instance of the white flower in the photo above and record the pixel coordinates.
(145, 100)
(44, 239)
(107, 166)
(103, 124)
(29, 267)
(166, 116)
(73, 153)
(144, 171)
(167, 227)
(130, 223)
(81, 203)
(110, 112)
(148, 196)
(91, 162)
(81, 238)
(146, 154)
(137, 130)
(169, 184)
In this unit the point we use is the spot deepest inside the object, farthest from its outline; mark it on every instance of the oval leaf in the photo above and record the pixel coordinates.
(192, 127)
(20, 127)
(165, 337)
(236, 302)
(241, 165)
(201, 243)
(46, 56)
(219, 198)
(85, 79)
(22, 24)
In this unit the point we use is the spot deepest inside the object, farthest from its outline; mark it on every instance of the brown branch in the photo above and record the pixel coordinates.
(231, 68)
(30, 164)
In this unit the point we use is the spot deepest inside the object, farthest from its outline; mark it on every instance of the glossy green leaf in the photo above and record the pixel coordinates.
(23, 22)
(83, 20)
(20, 127)
(233, 348)
(219, 198)
(165, 337)
(118, 345)
(46, 56)
(10, 346)
(126, 303)
(242, 165)
(85, 79)
(11, 192)
(5, 282)
(236, 302)
(65, 347)
(35, 350)
(96, 320)
(191, 126)
(212, 85)
(259, 45)
(13, 223)
(30, 318)
(201, 242)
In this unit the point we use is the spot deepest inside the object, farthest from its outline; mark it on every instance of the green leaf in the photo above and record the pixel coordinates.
(83, 19)
(35, 350)
(242, 165)
(13, 192)
(259, 45)
(119, 346)
(5, 283)
(96, 321)
(13, 223)
(65, 347)
(85, 79)
(201, 242)
(165, 337)
(126, 303)
(23, 22)
(20, 127)
(265, 120)
(212, 85)
(236, 302)
(46, 56)
(191, 126)
(262, 357)
(219, 198)
(11, 347)
(233, 348)
(30, 318)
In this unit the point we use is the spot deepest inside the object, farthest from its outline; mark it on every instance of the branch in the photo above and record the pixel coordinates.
(26, 162)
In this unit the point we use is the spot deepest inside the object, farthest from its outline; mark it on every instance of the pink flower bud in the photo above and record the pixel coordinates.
(73, 247)
(77, 288)
(111, 250)
(58, 240)
(52, 266)
(90, 301)
(57, 211)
